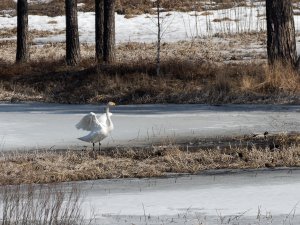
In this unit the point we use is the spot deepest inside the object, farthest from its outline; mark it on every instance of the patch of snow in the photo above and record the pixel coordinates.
(6, 13)
(176, 26)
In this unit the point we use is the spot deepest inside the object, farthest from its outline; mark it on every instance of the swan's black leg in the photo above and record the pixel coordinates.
(94, 153)
(99, 147)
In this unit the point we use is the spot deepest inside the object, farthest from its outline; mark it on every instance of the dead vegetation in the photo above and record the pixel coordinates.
(180, 82)
(203, 71)
(37, 204)
(125, 7)
(134, 7)
(7, 5)
(51, 166)
(231, 48)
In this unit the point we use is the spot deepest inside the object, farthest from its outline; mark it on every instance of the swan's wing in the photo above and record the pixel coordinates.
(88, 122)
(94, 136)
(103, 118)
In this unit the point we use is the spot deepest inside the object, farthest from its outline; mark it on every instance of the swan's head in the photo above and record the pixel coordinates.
(111, 104)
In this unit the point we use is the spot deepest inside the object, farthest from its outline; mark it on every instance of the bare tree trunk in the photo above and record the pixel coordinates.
(99, 9)
(158, 38)
(109, 31)
(22, 32)
(72, 36)
(281, 43)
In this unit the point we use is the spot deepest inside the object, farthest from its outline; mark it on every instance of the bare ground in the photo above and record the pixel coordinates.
(231, 153)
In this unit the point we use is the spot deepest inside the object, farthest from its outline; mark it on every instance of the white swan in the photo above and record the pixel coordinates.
(99, 127)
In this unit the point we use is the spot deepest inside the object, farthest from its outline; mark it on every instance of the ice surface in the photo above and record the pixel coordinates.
(251, 194)
(31, 126)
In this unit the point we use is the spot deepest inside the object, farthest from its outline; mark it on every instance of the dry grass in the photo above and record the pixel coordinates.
(5, 33)
(223, 19)
(49, 205)
(12, 32)
(7, 5)
(214, 49)
(126, 7)
(274, 80)
(281, 77)
(49, 167)
(206, 71)
(180, 82)
(132, 7)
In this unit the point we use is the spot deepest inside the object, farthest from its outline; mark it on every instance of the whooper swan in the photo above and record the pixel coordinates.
(99, 128)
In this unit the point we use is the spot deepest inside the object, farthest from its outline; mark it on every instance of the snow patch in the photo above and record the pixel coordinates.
(176, 26)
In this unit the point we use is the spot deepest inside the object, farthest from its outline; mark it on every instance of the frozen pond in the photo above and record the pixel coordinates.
(36, 126)
(234, 197)
(246, 197)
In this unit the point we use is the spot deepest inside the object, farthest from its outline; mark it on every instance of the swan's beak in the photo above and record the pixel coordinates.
(111, 104)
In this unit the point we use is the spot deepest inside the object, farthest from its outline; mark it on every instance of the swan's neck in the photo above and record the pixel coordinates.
(109, 122)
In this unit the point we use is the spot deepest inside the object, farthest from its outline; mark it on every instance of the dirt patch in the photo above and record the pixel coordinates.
(51, 166)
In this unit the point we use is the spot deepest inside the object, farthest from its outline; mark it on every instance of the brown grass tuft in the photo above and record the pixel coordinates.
(280, 77)
(7, 5)
(34, 204)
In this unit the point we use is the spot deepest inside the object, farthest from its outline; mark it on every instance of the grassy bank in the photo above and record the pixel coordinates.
(216, 73)
(51, 166)
(180, 82)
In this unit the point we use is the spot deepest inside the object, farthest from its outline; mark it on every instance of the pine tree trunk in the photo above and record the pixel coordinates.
(72, 35)
(281, 43)
(22, 32)
(99, 10)
(109, 31)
